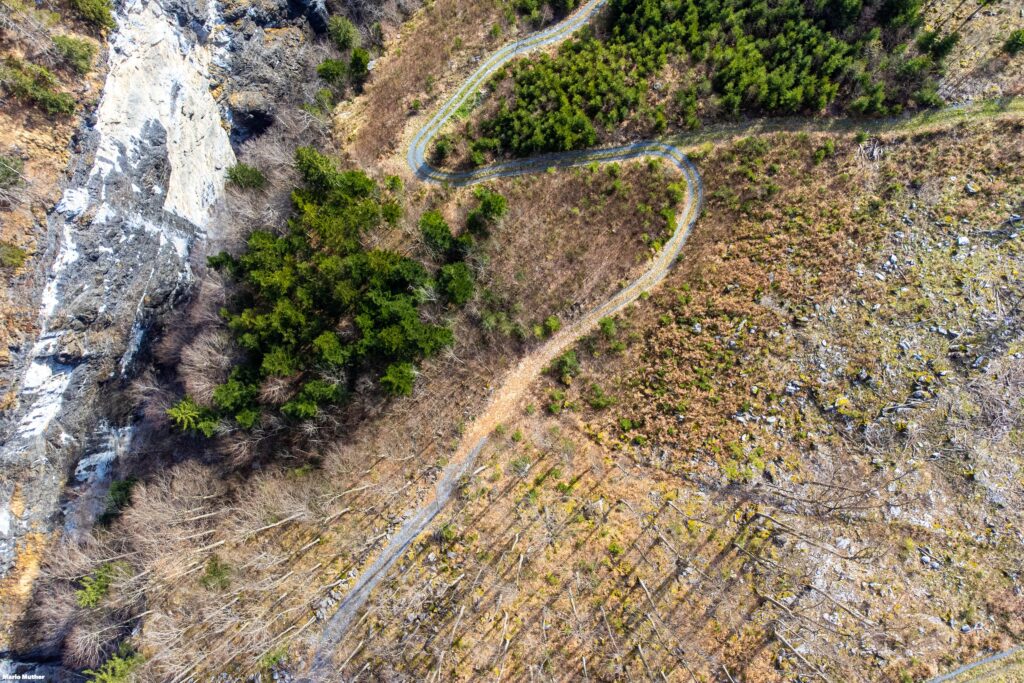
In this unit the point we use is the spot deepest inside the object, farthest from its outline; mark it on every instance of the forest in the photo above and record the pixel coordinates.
(743, 56)
(316, 310)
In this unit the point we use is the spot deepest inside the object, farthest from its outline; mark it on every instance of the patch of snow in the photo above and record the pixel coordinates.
(134, 343)
(46, 407)
(67, 255)
(96, 466)
(74, 202)
(179, 241)
(45, 381)
(105, 213)
(166, 233)
(38, 374)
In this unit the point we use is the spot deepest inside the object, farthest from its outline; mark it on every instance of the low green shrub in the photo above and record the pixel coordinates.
(11, 256)
(77, 53)
(598, 399)
(96, 12)
(359, 66)
(217, 576)
(442, 148)
(608, 327)
(491, 208)
(246, 176)
(189, 416)
(333, 71)
(322, 104)
(34, 84)
(343, 33)
(118, 497)
(565, 367)
(937, 46)
(276, 656)
(520, 466)
(456, 283)
(1014, 43)
(12, 171)
(118, 669)
(96, 585)
(826, 151)
(437, 234)
(398, 379)
(556, 401)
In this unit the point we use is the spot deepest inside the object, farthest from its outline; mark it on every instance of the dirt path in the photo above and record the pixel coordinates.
(981, 671)
(516, 381)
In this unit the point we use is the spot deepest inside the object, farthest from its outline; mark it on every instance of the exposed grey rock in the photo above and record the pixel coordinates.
(263, 70)
(252, 112)
(149, 166)
(12, 670)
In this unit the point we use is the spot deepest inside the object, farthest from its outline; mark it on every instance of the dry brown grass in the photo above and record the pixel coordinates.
(433, 50)
(293, 532)
(651, 549)
(572, 238)
(978, 67)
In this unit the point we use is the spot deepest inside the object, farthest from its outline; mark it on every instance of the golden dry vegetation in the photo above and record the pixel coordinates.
(792, 464)
(789, 461)
(247, 547)
(427, 58)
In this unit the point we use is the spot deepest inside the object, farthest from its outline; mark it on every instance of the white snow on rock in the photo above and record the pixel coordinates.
(134, 343)
(96, 466)
(105, 213)
(66, 255)
(45, 381)
(156, 74)
(74, 202)
(165, 233)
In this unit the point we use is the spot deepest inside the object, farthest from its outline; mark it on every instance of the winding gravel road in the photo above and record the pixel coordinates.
(991, 659)
(515, 383)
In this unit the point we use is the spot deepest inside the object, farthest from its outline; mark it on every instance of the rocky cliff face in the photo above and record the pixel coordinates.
(149, 167)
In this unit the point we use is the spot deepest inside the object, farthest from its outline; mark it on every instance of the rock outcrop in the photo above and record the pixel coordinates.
(150, 167)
